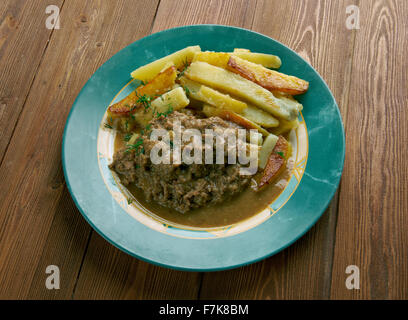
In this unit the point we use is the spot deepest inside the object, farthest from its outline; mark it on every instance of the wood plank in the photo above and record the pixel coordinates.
(373, 210)
(109, 273)
(303, 271)
(186, 12)
(20, 55)
(39, 224)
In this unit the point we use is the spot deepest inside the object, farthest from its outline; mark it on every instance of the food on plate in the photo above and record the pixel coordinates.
(269, 79)
(260, 117)
(213, 97)
(159, 85)
(275, 162)
(205, 137)
(178, 186)
(220, 59)
(234, 84)
(179, 59)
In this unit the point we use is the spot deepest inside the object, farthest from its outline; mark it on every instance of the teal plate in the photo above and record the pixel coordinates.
(100, 198)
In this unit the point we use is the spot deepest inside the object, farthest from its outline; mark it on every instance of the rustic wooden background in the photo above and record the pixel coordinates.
(42, 71)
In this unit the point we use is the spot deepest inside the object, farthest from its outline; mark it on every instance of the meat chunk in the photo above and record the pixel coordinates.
(180, 186)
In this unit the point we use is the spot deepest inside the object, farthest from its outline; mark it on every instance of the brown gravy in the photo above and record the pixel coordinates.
(241, 207)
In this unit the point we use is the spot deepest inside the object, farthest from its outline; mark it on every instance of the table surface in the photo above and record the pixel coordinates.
(42, 71)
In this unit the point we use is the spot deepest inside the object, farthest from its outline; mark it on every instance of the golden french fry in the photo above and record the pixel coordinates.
(172, 100)
(175, 99)
(260, 117)
(276, 162)
(221, 100)
(267, 147)
(267, 60)
(220, 59)
(285, 126)
(210, 111)
(238, 86)
(178, 58)
(241, 50)
(213, 97)
(157, 86)
(269, 79)
(240, 120)
(191, 87)
(231, 116)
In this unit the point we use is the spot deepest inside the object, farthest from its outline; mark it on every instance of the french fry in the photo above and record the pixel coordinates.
(267, 60)
(234, 84)
(174, 100)
(276, 162)
(220, 59)
(163, 82)
(213, 97)
(240, 120)
(241, 50)
(260, 117)
(255, 137)
(221, 100)
(211, 111)
(285, 126)
(267, 147)
(269, 79)
(178, 58)
(191, 87)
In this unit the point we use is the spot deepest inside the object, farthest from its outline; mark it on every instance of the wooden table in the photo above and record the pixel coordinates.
(42, 71)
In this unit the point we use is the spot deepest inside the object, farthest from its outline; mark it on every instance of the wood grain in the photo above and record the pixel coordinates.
(303, 271)
(131, 278)
(39, 225)
(20, 55)
(186, 12)
(373, 209)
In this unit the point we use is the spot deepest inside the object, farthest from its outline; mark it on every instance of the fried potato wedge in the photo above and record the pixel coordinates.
(221, 100)
(238, 86)
(163, 82)
(191, 87)
(211, 111)
(213, 97)
(241, 50)
(220, 59)
(240, 120)
(269, 79)
(267, 147)
(285, 126)
(276, 162)
(175, 99)
(172, 100)
(178, 58)
(260, 117)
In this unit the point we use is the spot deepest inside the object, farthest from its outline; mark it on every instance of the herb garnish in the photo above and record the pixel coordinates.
(185, 66)
(144, 100)
(127, 137)
(282, 155)
(107, 125)
(164, 114)
(137, 147)
(187, 90)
